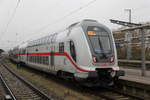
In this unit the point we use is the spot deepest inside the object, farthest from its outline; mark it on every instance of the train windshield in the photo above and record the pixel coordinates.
(99, 39)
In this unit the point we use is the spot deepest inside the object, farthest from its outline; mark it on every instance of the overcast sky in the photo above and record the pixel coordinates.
(37, 18)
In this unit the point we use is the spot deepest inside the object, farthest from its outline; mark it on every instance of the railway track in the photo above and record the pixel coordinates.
(2, 91)
(112, 93)
(5, 91)
(22, 89)
(104, 93)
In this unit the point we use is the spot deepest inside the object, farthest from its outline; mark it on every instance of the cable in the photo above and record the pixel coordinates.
(10, 20)
(62, 18)
(72, 12)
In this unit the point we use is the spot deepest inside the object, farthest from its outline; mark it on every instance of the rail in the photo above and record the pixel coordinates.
(7, 88)
(35, 89)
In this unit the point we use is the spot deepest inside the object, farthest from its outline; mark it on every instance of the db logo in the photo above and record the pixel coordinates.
(103, 64)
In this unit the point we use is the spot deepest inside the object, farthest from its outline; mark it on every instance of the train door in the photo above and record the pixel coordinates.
(24, 56)
(61, 59)
(73, 51)
(26, 59)
(52, 58)
(27, 52)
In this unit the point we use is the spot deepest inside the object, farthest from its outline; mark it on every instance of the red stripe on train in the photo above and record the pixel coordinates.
(58, 54)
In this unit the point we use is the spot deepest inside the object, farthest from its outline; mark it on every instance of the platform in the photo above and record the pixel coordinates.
(133, 61)
(135, 75)
(137, 64)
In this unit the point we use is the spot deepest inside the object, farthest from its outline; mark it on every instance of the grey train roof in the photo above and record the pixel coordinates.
(49, 39)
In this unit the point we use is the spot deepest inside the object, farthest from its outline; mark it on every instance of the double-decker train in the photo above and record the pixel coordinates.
(85, 51)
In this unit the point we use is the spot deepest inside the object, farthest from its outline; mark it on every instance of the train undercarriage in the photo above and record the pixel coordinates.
(101, 77)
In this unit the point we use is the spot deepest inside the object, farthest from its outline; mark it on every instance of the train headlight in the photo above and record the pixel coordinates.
(112, 59)
(94, 59)
(113, 73)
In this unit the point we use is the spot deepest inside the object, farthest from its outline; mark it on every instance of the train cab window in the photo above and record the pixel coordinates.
(61, 47)
(99, 39)
(72, 50)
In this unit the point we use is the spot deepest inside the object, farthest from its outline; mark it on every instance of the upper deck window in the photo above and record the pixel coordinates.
(61, 47)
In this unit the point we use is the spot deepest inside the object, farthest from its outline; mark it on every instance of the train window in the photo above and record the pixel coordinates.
(99, 39)
(72, 50)
(40, 60)
(30, 58)
(47, 60)
(23, 51)
(100, 44)
(36, 50)
(27, 57)
(61, 47)
(44, 60)
(36, 59)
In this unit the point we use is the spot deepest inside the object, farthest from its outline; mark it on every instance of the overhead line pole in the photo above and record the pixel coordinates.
(143, 73)
(129, 35)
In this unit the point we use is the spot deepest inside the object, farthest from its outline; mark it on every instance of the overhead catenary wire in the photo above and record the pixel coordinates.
(72, 12)
(62, 18)
(10, 20)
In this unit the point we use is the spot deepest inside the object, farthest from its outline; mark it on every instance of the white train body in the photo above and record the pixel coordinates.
(85, 51)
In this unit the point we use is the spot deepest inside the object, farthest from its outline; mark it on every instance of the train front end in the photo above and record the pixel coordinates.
(103, 68)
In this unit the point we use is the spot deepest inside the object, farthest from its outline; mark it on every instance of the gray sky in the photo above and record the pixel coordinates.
(37, 18)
